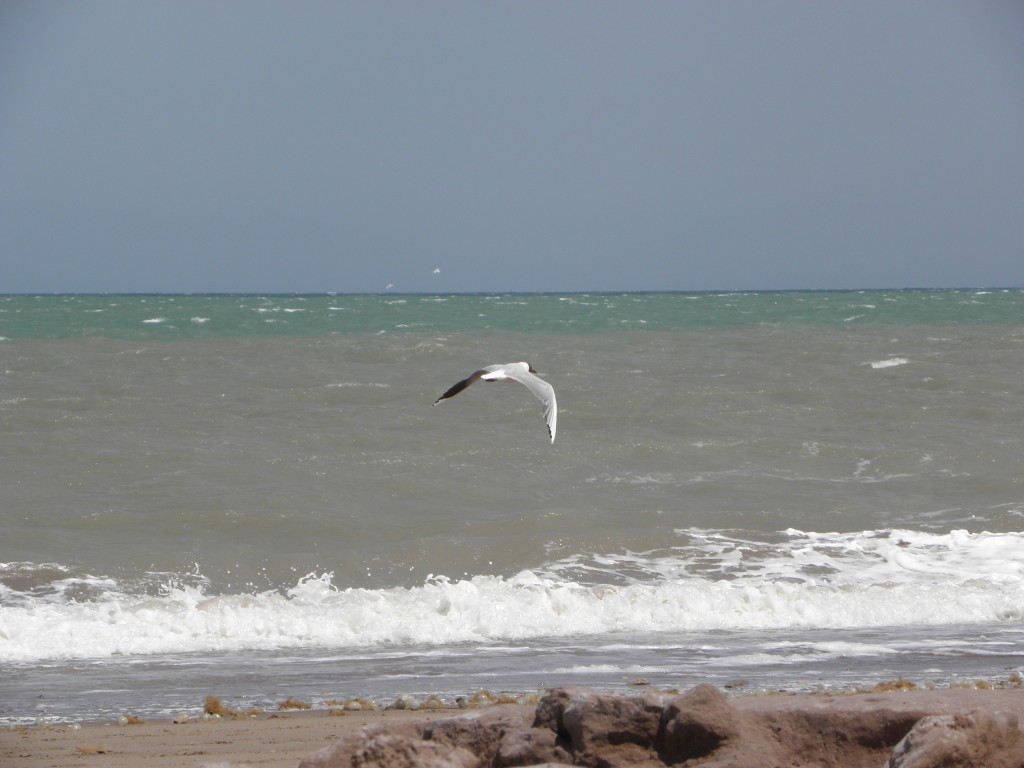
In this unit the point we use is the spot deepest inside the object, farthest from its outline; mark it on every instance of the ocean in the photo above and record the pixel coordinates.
(252, 496)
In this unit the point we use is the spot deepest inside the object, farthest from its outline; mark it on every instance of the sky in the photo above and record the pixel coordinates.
(410, 146)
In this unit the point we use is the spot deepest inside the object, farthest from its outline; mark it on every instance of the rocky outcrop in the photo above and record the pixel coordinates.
(993, 740)
(372, 742)
(480, 732)
(582, 727)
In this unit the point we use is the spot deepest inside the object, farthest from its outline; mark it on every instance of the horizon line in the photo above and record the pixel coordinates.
(702, 291)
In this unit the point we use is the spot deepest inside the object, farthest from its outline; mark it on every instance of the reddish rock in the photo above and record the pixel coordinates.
(552, 704)
(341, 754)
(993, 740)
(596, 721)
(531, 746)
(481, 731)
(602, 730)
(932, 729)
(824, 739)
(403, 752)
(696, 724)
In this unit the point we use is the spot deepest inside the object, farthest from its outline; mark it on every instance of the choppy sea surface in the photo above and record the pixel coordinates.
(252, 497)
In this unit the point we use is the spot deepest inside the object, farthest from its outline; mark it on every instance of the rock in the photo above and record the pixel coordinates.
(597, 723)
(696, 724)
(342, 753)
(963, 740)
(825, 739)
(405, 701)
(403, 752)
(479, 732)
(552, 704)
(577, 726)
(531, 746)
(600, 729)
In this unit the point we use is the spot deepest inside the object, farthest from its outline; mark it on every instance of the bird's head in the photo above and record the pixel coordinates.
(530, 369)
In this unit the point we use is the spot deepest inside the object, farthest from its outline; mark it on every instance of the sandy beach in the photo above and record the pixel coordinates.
(584, 727)
(275, 740)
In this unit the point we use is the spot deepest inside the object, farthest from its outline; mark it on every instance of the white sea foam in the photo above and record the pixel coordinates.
(808, 580)
(857, 559)
(892, 362)
(831, 649)
(481, 609)
(609, 669)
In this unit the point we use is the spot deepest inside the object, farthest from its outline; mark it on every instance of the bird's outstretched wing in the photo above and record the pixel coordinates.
(524, 374)
(461, 385)
(543, 392)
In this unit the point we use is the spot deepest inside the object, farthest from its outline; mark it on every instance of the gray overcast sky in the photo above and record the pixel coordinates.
(346, 146)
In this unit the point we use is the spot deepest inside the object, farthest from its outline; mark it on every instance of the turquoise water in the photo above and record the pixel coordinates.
(182, 317)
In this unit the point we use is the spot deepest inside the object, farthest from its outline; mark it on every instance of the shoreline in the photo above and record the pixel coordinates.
(284, 738)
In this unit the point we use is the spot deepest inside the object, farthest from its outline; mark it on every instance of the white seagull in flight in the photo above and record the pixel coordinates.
(524, 374)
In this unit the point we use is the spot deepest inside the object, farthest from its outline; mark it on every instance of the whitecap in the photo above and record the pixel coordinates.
(610, 669)
(892, 362)
(714, 581)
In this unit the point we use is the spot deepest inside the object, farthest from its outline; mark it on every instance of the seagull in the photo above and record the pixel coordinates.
(524, 374)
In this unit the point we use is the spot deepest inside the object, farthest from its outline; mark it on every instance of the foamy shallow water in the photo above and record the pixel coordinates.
(791, 611)
(737, 661)
(716, 581)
